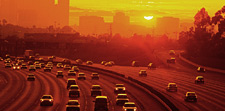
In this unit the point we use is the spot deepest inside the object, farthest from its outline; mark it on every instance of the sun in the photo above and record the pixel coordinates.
(148, 17)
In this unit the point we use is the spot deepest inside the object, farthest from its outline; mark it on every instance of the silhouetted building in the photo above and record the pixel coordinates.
(121, 24)
(41, 13)
(92, 25)
(168, 26)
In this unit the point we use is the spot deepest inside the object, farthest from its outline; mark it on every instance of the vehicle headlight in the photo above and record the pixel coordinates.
(42, 100)
(18, 67)
(116, 88)
(14, 67)
(50, 100)
(124, 88)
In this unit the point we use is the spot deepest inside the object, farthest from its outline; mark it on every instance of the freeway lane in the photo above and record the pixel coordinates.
(22, 95)
(210, 95)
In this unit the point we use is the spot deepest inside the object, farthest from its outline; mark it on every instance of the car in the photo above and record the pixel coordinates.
(59, 74)
(201, 69)
(121, 99)
(8, 61)
(135, 64)
(46, 100)
(42, 65)
(172, 52)
(71, 81)
(81, 76)
(38, 66)
(59, 65)
(32, 68)
(171, 60)
(8, 65)
(112, 62)
(36, 62)
(30, 63)
(109, 64)
(66, 61)
(50, 59)
(47, 69)
(1, 59)
(31, 58)
(129, 106)
(73, 105)
(101, 103)
(75, 68)
(151, 66)
(41, 59)
(23, 66)
(67, 67)
(96, 90)
(74, 91)
(142, 73)
(190, 96)
(16, 67)
(199, 80)
(53, 57)
(30, 77)
(49, 65)
(89, 63)
(119, 88)
(95, 76)
(103, 62)
(71, 73)
(79, 61)
(172, 87)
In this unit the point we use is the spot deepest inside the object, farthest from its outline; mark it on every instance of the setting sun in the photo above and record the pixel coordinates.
(148, 17)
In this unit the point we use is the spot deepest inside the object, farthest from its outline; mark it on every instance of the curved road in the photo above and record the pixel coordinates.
(18, 94)
(211, 95)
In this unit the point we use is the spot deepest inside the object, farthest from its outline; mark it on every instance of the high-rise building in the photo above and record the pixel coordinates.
(168, 26)
(41, 13)
(92, 25)
(121, 24)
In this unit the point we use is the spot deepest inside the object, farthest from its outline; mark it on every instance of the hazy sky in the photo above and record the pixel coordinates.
(137, 9)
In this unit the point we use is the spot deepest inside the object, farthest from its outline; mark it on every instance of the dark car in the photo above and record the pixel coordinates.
(95, 76)
(199, 79)
(16, 67)
(32, 68)
(8, 65)
(81, 76)
(71, 81)
(79, 61)
(119, 88)
(23, 66)
(47, 69)
(73, 105)
(172, 87)
(201, 69)
(142, 73)
(151, 66)
(103, 62)
(191, 96)
(71, 73)
(30, 77)
(129, 106)
(135, 64)
(121, 99)
(172, 52)
(75, 68)
(46, 100)
(59, 74)
(89, 63)
(96, 90)
(74, 91)
(67, 67)
(59, 65)
(101, 103)
(109, 64)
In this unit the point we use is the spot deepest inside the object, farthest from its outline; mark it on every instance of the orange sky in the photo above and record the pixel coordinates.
(137, 9)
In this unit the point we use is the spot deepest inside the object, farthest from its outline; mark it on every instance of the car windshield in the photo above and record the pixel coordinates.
(75, 87)
(96, 87)
(46, 97)
(122, 96)
(73, 103)
(191, 94)
(119, 85)
(81, 74)
(71, 70)
(101, 100)
(129, 105)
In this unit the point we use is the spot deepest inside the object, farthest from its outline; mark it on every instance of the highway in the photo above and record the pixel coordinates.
(211, 95)
(18, 94)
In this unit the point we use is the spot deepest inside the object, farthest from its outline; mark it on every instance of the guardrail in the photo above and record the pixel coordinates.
(197, 65)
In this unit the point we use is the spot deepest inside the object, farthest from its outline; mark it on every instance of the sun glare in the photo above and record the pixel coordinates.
(148, 17)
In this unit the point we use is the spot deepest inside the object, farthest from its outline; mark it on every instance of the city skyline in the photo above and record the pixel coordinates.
(137, 9)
